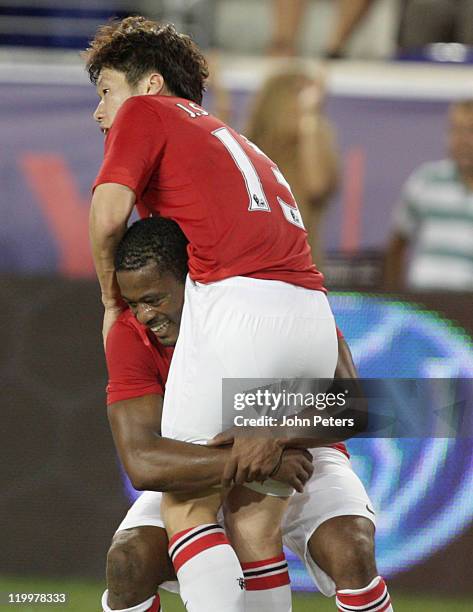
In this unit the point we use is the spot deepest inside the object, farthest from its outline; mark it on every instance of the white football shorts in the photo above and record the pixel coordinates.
(242, 328)
(333, 490)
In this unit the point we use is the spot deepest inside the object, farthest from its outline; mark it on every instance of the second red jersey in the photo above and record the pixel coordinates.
(230, 200)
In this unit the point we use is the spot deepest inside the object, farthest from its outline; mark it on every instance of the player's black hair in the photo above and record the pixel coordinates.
(139, 46)
(155, 239)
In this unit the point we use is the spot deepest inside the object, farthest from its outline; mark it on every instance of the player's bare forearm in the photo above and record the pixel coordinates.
(171, 465)
(306, 437)
(109, 212)
(154, 463)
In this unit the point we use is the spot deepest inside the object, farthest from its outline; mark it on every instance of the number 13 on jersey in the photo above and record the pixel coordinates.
(257, 199)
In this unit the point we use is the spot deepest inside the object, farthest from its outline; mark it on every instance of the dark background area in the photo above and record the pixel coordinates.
(62, 495)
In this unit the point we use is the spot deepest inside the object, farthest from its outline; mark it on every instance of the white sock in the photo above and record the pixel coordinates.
(267, 585)
(208, 570)
(153, 604)
(373, 598)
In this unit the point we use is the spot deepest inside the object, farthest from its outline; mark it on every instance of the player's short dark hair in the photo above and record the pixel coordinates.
(137, 46)
(154, 239)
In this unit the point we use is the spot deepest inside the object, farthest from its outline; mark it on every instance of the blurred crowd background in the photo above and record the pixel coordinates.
(350, 97)
(367, 108)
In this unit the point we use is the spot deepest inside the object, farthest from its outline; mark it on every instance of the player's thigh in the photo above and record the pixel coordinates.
(253, 523)
(145, 511)
(184, 511)
(242, 328)
(334, 490)
(277, 330)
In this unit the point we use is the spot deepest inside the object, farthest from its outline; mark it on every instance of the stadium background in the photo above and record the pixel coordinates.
(63, 494)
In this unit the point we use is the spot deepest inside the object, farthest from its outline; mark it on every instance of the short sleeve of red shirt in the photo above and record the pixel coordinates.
(133, 146)
(131, 370)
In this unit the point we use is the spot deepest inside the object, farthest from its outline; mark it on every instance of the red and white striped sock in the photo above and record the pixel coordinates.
(373, 598)
(153, 604)
(267, 585)
(208, 570)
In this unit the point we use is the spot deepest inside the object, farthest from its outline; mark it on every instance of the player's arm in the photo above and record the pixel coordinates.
(160, 464)
(132, 150)
(135, 393)
(110, 210)
(154, 463)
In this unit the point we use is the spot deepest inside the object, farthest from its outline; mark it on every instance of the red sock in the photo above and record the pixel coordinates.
(208, 570)
(267, 585)
(153, 604)
(372, 598)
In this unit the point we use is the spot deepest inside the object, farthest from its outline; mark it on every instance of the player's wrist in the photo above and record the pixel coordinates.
(277, 466)
(112, 302)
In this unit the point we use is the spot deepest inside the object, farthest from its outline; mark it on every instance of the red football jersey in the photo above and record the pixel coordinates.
(230, 200)
(138, 364)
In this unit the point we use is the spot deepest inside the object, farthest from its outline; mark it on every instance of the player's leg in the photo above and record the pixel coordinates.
(138, 561)
(343, 547)
(253, 525)
(331, 528)
(209, 573)
(238, 328)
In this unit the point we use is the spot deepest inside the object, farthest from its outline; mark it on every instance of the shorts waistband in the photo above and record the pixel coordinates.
(249, 281)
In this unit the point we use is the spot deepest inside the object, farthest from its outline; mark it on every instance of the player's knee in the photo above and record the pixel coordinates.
(355, 565)
(130, 562)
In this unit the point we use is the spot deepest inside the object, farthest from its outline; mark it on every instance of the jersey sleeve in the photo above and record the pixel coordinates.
(131, 370)
(133, 147)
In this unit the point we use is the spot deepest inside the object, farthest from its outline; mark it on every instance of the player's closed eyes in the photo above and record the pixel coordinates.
(151, 303)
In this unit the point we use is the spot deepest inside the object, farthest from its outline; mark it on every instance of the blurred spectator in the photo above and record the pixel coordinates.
(195, 17)
(435, 217)
(430, 21)
(288, 15)
(198, 18)
(217, 97)
(288, 124)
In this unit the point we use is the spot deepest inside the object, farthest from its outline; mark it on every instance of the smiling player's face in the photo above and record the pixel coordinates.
(156, 299)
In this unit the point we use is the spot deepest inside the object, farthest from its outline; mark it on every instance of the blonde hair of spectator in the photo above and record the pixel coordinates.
(465, 105)
(288, 123)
